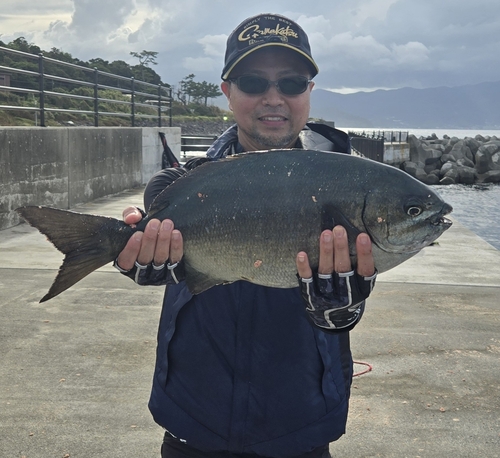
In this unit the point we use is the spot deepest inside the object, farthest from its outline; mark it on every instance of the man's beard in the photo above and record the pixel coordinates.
(273, 142)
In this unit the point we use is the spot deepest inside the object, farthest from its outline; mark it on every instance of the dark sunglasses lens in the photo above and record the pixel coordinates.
(293, 85)
(252, 84)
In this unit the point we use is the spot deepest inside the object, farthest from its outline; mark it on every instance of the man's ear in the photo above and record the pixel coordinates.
(226, 89)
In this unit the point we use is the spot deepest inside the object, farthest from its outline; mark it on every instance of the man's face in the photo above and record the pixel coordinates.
(269, 120)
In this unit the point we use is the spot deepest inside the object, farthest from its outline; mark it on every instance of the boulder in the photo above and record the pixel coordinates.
(466, 175)
(493, 176)
(431, 167)
(420, 151)
(473, 144)
(461, 150)
(420, 174)
(495, 161)
(446, 181)
(410, 168)
(492, 145)
(432, 163)
(432, 160)
(454, 174)
(447, 149)
(454, 160)
(447, 166)
(430, 179)
(465, 162)
(484, 157)
(447, 158)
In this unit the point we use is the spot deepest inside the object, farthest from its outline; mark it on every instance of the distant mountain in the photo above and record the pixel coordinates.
(463, 107)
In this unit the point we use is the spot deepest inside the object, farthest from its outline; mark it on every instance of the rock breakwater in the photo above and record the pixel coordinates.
(451, 160)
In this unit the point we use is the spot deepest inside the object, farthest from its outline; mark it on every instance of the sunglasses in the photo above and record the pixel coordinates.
(289, 85)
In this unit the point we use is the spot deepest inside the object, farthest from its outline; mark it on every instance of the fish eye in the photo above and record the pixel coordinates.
(414, 211)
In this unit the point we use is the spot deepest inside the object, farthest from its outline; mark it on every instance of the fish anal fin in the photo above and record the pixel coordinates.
(198, 282)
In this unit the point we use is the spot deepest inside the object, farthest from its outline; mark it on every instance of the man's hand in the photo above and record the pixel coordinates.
(151, 257)
(335, 294)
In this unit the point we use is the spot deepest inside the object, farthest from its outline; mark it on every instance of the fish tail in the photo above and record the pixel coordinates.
(87, 241)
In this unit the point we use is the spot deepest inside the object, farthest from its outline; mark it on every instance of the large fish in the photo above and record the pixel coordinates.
(246, 217)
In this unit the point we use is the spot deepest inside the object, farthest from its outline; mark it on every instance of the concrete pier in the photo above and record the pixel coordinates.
(76, 371)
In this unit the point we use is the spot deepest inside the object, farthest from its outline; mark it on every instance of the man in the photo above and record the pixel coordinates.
(245, 370)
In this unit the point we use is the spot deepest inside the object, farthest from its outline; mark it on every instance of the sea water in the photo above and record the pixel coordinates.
(476, 207)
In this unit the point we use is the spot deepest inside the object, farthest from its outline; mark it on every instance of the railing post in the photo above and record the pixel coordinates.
(170, 106)
(96, 97)
(132, 99)
(159, 105)
(41, 89)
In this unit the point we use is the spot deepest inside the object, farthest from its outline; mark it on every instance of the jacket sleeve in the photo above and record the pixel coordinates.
(149, 274)
(159, 182)
(166, 177)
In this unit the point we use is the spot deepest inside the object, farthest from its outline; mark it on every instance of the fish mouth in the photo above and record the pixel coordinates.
(439, 219)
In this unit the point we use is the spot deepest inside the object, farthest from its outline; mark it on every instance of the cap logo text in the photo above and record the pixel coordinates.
(254, 32)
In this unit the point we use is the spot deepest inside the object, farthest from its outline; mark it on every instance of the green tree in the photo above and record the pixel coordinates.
(59, 54)
(205, 91)
(99, 63)
(20, 44)
(190, 90)
(186, 89)
(145, 59)
(120, 67)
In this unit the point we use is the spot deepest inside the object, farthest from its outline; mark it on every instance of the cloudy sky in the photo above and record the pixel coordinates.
(358, 44)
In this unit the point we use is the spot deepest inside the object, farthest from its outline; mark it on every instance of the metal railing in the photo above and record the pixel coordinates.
(389, 136)
(190, 143)
(140, 98)
(372, 148)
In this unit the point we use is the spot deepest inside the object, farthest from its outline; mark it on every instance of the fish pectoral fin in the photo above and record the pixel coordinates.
(331, 216)
(198, 282)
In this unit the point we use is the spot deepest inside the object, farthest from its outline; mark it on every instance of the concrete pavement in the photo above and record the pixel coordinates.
(76, 371)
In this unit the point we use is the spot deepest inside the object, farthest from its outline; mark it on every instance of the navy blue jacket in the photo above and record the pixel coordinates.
(241, 368)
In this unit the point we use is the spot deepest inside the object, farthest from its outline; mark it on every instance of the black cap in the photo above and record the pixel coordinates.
(266, 30)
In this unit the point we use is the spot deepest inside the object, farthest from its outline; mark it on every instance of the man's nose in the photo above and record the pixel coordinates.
(272, 96)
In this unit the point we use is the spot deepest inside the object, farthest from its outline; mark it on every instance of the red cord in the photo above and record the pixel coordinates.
(368, 369)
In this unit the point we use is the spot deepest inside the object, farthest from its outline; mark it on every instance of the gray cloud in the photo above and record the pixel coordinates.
(357, 43)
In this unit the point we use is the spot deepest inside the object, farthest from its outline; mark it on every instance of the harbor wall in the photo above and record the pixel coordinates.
(65, 166)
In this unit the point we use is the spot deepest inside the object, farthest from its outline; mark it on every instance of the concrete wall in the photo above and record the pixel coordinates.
(61, 167)
(396, 153)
